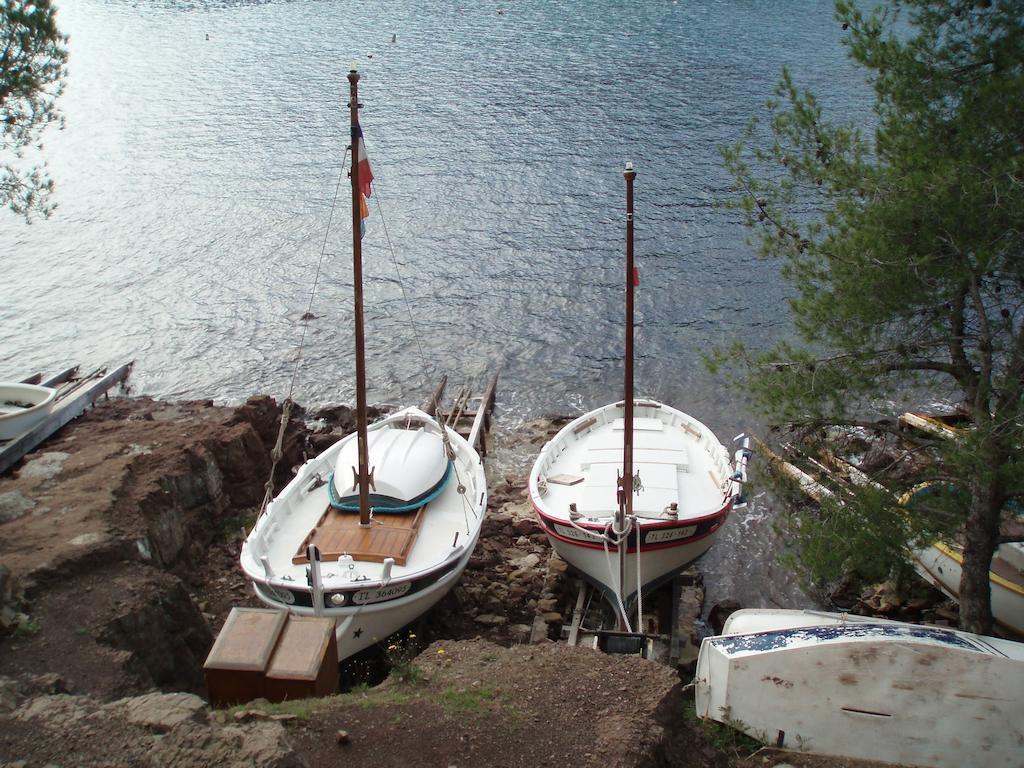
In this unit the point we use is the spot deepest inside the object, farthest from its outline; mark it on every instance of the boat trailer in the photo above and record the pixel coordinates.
(669, 632)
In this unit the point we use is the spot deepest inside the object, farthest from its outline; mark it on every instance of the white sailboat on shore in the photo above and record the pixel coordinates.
(376, 529)
(630, 493)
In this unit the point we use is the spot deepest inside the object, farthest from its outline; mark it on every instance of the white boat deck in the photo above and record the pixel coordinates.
(450, 524)
(677, 458)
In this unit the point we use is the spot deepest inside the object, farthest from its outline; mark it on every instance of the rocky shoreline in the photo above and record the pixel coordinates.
(119, 541)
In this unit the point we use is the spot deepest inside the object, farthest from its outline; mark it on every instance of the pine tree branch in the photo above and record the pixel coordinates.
(1013, 391)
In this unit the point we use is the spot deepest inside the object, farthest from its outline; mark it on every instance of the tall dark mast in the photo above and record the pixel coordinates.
(625, 509)
(357, 286)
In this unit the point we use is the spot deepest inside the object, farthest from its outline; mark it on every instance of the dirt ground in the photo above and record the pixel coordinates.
(475, 703)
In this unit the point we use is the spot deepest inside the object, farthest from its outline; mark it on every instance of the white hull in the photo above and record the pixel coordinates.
(655, 565)
(375, 622)
(942, 566)
(368, 600)
(14, 417)
(686, 490)
(861, 688)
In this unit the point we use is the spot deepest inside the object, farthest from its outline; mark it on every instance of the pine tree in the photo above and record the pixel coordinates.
(32, 72)
(903, 243)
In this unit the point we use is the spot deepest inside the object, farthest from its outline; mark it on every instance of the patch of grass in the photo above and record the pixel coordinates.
(408, 673)
(726, 738)
(298, 708)
(361, 695)
(377, 697)
(230, 526)
(467, 699)
(26, 626)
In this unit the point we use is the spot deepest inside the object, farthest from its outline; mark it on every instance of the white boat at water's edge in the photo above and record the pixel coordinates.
(369, 598)
(941, 565)
(685, 494)
(376, 529)
(865, 688)
(22, 406)
(630, 493)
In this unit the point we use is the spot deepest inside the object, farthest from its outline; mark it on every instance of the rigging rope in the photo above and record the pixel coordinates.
(401, 284)
(449, 449)
(286, 408)
(639, 584)
(316, 279)
(613, 572)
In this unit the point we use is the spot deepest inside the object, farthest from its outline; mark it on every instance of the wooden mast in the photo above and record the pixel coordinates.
(363, 472)
(625, 509)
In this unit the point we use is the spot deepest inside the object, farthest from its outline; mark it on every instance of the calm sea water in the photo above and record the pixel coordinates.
(203, 148)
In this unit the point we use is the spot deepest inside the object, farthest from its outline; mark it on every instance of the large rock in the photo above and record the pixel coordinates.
(163, 631)
(161, 713)
(158, 730)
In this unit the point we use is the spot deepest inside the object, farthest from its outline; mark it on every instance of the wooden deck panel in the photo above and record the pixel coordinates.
(338, 533)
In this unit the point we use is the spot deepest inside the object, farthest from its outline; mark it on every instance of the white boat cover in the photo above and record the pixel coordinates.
(405, 464)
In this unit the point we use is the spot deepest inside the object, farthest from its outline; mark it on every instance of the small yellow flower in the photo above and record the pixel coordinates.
(412, 636)
(392, 647)
(441, 651)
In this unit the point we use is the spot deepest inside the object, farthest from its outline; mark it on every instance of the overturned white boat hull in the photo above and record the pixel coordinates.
(369, 599)
(863, 688)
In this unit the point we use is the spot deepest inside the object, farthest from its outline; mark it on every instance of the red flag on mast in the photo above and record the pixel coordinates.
(365, 174)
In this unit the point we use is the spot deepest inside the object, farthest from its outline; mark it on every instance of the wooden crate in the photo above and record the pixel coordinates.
(235, 668)
(305, 661)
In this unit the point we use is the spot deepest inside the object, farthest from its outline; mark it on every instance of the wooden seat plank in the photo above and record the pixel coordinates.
(338, 533)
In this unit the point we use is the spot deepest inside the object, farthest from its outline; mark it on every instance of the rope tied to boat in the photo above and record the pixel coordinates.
(634, 520)
(612, 573)
(276, 454)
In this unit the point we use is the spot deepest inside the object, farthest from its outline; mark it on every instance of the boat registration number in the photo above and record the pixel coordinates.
(669, 534)
(380, 594)
(576, 533)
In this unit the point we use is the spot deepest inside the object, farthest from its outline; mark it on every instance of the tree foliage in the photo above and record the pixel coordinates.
(32, 72)
(902, 239)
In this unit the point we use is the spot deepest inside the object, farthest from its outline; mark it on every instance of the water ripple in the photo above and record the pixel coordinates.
(203, 147)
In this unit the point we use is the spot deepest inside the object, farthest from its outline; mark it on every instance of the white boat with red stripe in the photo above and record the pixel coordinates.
(684, 488)
(632, 492)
